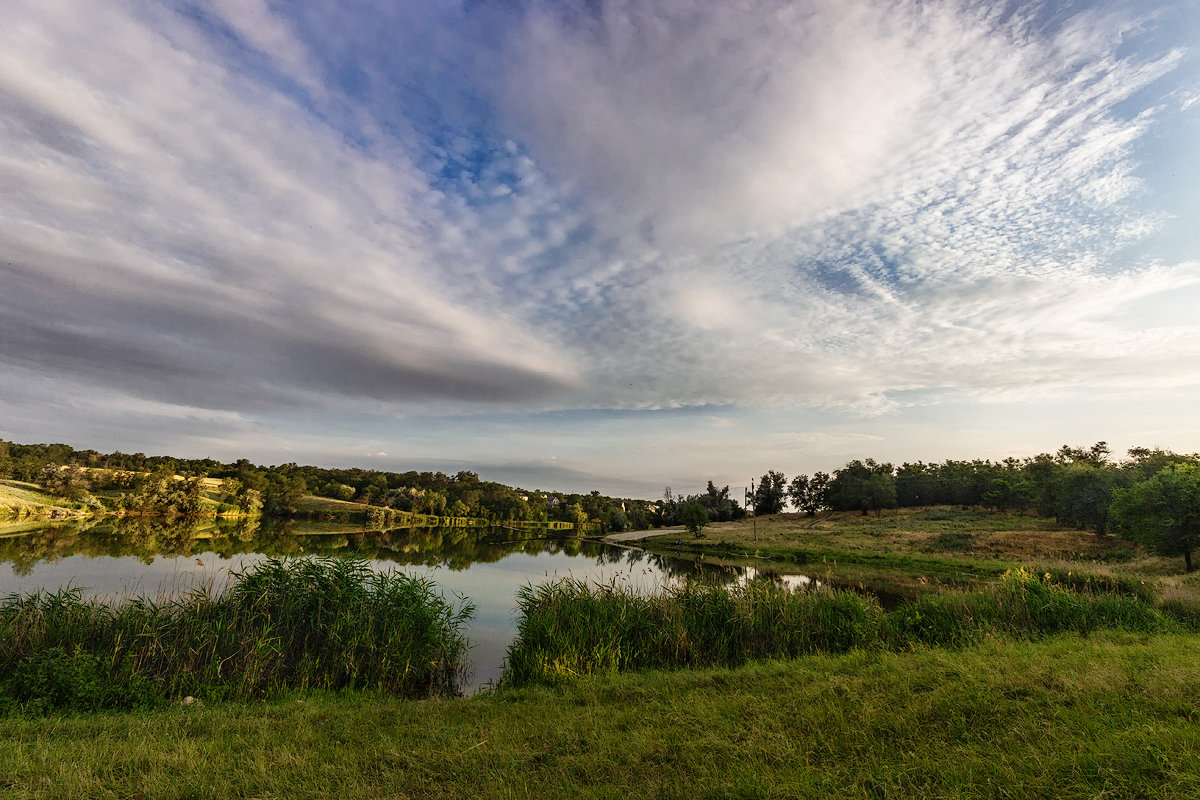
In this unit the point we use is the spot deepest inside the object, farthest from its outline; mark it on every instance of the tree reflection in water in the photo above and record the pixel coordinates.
(148, 538)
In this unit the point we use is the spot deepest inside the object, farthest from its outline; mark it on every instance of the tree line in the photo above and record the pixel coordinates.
(1152, 496)
(148, 484)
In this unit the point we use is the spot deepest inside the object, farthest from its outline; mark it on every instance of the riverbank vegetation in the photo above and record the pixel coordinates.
(321, 625)
(569, 628)
(1113, 715)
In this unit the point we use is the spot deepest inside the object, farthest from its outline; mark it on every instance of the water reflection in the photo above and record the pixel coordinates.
(118, 557)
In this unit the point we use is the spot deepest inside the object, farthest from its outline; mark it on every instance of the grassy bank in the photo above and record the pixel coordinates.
(1114, 715)
(569, 627)
(20, 500)
(904, 553)
(318, 625)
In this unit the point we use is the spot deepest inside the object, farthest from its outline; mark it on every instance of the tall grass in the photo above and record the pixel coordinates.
(1023, 605)
(571, 627)
(306, 624)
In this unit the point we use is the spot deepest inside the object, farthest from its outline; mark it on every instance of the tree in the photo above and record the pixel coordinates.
(721, 507)
(1082, 495)
(576, 514)
(863, 485)
(769, 494)
(809, 494)
(798, 491)
(1163, 512)
(695, 516)
(68, 482)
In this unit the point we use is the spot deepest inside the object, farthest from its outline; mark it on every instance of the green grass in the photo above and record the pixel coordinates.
(904, 553)
(307, 624)
(568, 628)
(20, 500)
(1113, 716)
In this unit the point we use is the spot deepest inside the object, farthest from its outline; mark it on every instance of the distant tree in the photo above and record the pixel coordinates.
(68, 482)
(670, 508)
(918, 485)
(230, 488)
(1097, 455)
(576, 514)
(250, 501)
(809, 494)
(639, 519)
(863, 485)
(1082, 495)
(339, 491)
(1145, 463)
(695, 516)
(435, 503)
(770, 493)
(617, 521)
(1163, 512)
(721, 507)
(283, 493)
(798, 491)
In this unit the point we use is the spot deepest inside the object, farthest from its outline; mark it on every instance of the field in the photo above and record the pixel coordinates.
(19, 500)
(1112, 716)
(906, 552)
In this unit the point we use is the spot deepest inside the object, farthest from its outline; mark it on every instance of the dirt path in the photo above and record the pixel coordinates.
(637, 536)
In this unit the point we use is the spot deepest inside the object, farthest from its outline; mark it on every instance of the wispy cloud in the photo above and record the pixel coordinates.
(267, 213)
(210, 239)
(837, 203)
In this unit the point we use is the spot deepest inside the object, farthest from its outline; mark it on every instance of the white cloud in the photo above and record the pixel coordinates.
(850, 201)
(172, 210)
(867, 207)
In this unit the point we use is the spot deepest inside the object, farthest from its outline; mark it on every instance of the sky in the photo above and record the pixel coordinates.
(603, 244)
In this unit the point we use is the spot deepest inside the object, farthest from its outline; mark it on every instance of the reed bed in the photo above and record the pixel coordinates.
(569, 627)
(322, 624)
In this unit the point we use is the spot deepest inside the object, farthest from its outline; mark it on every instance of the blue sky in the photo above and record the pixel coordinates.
(611, 245)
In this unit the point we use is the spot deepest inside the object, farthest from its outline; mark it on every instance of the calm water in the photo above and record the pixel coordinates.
(118, 558)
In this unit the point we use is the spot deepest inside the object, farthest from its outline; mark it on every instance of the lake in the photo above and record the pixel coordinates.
(112, 558)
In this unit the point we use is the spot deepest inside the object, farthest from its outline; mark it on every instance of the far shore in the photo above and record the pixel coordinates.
(637, 536)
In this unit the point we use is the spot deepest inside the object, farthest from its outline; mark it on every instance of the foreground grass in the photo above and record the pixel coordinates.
(1113, 715)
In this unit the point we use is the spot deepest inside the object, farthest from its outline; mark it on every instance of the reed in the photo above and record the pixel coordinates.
(323, 624)
(570, 627)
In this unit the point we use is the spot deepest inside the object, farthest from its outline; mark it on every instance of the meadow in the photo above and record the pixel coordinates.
(900, 554)
(1113, 715)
